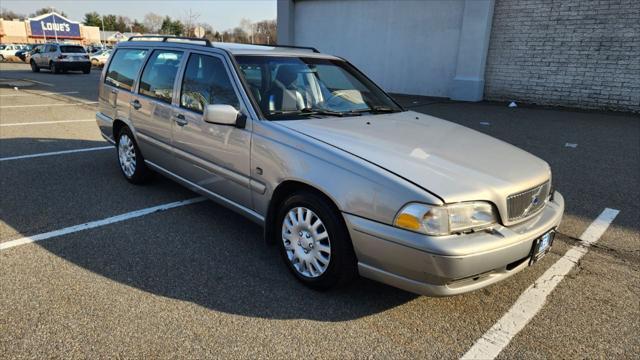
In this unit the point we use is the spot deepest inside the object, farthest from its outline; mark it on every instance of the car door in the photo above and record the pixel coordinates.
(119, 82)
(151, 110)
(46, 55)
(213, 156)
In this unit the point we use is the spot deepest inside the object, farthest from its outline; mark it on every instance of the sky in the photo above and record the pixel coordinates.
(220, 14)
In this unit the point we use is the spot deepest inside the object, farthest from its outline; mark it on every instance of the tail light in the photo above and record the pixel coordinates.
(62, 56)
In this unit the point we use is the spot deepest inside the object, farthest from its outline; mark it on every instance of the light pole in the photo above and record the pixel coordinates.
(102, 32)
(55, 26)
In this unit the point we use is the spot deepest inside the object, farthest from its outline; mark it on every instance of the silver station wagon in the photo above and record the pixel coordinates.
(342, 178)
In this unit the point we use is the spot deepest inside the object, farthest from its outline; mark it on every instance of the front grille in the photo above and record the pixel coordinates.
(528, 202)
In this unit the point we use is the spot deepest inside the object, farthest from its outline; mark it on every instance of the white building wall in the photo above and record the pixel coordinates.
(405, 46)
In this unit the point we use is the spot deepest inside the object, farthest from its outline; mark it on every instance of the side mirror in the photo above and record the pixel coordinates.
(224, 115)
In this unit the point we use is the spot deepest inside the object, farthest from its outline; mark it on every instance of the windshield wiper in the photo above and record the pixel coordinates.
(378, 109)
(312, 111)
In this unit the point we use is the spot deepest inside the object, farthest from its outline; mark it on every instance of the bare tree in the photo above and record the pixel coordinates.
(152, 22)
(190, 21)
(247, 28)
(10, 15)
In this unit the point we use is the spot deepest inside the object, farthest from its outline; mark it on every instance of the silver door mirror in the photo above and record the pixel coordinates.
(221, 114)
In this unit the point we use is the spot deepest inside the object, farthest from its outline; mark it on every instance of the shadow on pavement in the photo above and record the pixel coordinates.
(202, 253)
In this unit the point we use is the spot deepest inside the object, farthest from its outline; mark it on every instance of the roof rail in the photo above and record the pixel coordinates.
(296, 47)
(168, 38)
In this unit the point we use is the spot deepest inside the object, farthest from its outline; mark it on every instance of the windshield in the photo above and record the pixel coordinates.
(72, 49)
(295, 87)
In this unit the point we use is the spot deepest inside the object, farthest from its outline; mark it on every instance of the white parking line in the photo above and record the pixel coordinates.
(38, 82)
(97, 223)
(55, 153)
(47, 122)
(41, 105)
(35, 94)
(534, 298)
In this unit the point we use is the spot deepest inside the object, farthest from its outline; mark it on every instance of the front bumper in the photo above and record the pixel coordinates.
(447, 265)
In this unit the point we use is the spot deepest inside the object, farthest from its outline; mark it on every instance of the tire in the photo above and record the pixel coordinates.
(86, 70)
(304, 249)
(130, 158)
(54, 68)
(34, 66)
(1, 58)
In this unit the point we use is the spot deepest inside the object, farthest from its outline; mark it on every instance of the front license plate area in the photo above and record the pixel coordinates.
(541, 246)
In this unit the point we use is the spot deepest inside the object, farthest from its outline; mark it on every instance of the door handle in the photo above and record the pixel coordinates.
(180, 120)
(136, 104)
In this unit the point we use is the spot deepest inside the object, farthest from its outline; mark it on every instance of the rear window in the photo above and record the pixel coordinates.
(72, 49)
(124, 68)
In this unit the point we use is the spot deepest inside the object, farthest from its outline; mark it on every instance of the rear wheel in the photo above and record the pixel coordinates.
(130, 158)
(34, 67)
(314, 242)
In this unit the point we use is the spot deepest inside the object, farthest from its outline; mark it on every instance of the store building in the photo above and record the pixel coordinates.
(47, 28)
(576, 53)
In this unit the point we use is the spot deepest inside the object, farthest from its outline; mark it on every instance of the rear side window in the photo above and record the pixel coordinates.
(159, 75)
(124, 67)
(72, 49)
(206, 82)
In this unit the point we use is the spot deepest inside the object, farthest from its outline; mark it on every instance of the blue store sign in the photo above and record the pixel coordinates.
(53, 25)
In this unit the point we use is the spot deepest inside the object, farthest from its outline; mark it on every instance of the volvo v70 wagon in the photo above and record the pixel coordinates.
(342, 178)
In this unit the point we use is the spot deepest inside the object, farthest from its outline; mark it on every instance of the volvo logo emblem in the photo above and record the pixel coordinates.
(535, 201)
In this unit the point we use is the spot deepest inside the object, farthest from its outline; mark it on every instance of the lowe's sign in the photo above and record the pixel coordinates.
(53, 25)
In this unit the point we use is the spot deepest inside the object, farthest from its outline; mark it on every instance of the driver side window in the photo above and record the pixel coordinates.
(206, 82)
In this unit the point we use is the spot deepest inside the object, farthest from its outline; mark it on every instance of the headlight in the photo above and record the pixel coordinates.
(447, 219)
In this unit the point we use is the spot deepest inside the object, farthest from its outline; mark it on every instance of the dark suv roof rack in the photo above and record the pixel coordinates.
(296, 47)
(168, 38)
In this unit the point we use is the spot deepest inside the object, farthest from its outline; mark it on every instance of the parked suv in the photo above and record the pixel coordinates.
(60, 57)
(341, 177)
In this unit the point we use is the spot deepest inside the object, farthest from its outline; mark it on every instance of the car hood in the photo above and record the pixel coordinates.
(451, 161)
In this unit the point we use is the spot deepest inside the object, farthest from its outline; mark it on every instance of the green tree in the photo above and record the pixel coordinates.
(138, 27)
(47, 10)
(92, 19)
(110, 22)
(122, 24)
(171, 27)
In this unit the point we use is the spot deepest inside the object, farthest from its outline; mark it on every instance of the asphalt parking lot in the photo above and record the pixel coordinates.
(196, 280)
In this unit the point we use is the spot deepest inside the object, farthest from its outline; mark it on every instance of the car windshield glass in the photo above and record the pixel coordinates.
(72, 49)
(287, 87)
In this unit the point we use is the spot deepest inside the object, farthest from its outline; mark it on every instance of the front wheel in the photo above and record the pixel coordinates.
(86, 70)
(130, 158)
(314, 242)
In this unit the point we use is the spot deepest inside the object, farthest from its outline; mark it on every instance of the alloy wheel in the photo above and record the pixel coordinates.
(127, 155)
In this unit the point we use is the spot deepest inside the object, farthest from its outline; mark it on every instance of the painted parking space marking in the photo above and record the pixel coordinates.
(47, 122)
(42, 105)
(39, 82)
(55, 153)
(36, 94)
(94, 224)
(534, 298)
